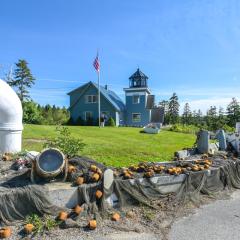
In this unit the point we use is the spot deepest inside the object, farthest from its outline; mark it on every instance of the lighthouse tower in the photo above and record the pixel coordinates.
(137, 95)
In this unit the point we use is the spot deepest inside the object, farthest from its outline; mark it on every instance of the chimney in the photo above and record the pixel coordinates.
(106, 87)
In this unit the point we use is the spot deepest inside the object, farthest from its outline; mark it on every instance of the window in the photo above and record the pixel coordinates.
(88, 115)
(136, 99)
(91, 98)
(136, 117)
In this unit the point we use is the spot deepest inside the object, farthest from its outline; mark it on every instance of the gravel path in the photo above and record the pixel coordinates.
(219, 220)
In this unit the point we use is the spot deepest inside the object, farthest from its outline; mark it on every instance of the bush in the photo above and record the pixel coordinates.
(228, 129)
(70, 122)
(89, 122)
(111, 122)
(31, 113)
(80, 122)
(184, 128)
(69, 145)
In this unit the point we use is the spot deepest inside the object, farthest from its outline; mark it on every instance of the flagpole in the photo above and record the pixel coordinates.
(99, 110)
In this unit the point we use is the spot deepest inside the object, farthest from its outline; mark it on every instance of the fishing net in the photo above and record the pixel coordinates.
(19, 198)
(225, 174)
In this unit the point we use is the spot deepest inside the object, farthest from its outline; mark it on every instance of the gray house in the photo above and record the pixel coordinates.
(139, 108)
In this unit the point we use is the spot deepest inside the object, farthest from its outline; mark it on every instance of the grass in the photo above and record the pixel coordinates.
(114, 146)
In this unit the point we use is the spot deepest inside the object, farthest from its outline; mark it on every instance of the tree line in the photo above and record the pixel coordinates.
(214, 119)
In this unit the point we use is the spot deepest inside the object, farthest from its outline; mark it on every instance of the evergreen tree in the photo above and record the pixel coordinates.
(187, 114)
(221, 118)
(173, 109)
(211, 118)
(165, 105)
(233, 112)
(22, 80)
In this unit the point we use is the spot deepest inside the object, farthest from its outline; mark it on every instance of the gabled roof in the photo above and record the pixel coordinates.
(111, 96)
(138, 74)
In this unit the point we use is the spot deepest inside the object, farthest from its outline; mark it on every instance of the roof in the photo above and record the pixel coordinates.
(138, 74)
(111, 96)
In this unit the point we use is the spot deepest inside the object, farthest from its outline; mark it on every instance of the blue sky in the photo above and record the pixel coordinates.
(191, 47)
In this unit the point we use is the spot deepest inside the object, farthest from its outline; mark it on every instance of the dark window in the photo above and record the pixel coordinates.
(88, 115)
(91, 98)
(136, 117)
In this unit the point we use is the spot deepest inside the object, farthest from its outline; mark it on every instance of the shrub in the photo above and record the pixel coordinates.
(80, 122)
(184, 128)
(111, 122)
(89, 121)
(70, 122)
(31, 114)
(228, 129)
(69, 145)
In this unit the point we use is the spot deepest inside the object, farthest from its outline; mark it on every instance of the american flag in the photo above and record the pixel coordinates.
(96, 64)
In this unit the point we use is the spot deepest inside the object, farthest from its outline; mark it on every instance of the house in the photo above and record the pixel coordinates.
(139, 108)
(84, 103)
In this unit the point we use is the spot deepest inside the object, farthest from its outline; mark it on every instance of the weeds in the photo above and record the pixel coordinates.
(66, 142)
(41, 224)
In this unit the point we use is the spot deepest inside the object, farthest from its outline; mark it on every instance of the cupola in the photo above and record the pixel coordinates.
(138, 80)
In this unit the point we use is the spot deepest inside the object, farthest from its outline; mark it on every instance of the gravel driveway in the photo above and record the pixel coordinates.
(218, 220)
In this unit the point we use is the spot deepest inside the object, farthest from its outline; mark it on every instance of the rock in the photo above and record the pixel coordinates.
(130, 214)
(108, 179)
(69, 223)
(203, 142)
(182, 154)
(222, 140)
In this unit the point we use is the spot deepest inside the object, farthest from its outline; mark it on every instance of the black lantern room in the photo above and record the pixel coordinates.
(138, 80)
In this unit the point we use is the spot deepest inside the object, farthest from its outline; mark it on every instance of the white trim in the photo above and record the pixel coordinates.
(137, 89)
(85, 113)
(117, 118)
(135, 93)
(140, 117)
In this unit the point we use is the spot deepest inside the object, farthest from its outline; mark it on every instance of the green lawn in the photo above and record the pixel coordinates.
(115, 146)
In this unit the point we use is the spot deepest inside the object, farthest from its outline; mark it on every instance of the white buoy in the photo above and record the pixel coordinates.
(10, 120)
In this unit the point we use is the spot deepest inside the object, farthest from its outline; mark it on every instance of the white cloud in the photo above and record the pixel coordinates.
(204, 104)
(202, 98)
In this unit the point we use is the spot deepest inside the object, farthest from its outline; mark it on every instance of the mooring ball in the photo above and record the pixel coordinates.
(50, 162)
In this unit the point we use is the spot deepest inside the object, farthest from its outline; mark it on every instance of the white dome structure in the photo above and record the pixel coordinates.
(10, 120)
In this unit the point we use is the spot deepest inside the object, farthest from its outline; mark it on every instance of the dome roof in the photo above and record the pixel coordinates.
(138, 75)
